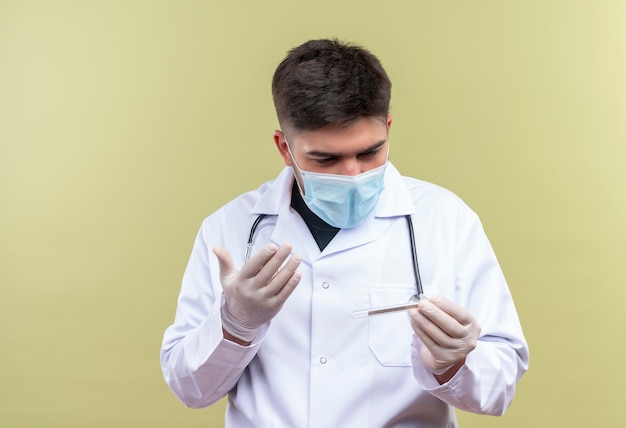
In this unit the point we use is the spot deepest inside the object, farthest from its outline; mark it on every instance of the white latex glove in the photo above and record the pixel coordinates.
(448, 333)
(255, 294)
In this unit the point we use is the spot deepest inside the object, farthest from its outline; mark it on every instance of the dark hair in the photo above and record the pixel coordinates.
(327, 82)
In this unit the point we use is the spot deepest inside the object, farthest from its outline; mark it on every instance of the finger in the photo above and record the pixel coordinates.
(285, 277)
(252, 267)
(225, 260)
(431, 335)
(288, 287)
(453, 309)
(441, 320)
(269, 269)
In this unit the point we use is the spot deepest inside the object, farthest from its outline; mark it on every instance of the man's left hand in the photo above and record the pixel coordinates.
(448, 333)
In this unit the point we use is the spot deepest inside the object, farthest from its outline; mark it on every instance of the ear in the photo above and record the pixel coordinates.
(389, 120)
(281, 145)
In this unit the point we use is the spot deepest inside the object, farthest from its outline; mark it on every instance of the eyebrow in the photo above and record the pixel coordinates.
(321, 154)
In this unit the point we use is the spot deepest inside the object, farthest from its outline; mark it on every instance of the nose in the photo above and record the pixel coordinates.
(350, 167)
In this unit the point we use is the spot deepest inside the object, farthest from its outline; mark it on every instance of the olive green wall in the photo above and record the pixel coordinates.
(124, 123)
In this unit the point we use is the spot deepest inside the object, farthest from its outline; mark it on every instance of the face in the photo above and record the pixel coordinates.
(334, 150)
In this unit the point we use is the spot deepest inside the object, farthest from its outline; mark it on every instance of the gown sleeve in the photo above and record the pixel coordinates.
(486, 383)
(198, 364)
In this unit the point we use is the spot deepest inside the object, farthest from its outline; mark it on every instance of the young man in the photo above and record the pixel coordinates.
(337, 231)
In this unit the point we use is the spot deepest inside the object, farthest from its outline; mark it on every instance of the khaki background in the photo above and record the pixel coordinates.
(124, 123)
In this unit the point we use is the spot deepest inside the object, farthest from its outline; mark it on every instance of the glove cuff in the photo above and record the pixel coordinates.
(439, 372)
(235, 328)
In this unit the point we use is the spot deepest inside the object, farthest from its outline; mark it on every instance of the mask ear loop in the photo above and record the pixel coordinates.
(296, 169)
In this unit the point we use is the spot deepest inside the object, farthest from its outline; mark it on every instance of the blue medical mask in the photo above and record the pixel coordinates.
(340, 200)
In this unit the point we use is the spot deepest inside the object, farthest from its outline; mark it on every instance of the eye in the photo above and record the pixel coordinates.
(369, 154)
(325, 161)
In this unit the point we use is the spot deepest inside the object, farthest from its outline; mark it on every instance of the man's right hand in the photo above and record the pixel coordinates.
(256, 293)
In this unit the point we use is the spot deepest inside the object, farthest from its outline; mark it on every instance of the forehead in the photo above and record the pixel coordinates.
(359, 136)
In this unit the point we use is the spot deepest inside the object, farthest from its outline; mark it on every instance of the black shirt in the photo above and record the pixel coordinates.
(322, 232)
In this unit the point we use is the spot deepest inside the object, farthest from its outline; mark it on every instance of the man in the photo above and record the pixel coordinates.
(275, 332)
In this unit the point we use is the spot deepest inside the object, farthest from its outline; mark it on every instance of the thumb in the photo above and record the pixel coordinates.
(225, 260)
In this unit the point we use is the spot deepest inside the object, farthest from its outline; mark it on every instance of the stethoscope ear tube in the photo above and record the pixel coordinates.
(251, 236)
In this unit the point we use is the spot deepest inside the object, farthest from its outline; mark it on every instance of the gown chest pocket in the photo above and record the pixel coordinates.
(390, 334)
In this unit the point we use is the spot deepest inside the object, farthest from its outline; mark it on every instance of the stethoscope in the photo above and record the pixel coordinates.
(416, 271)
